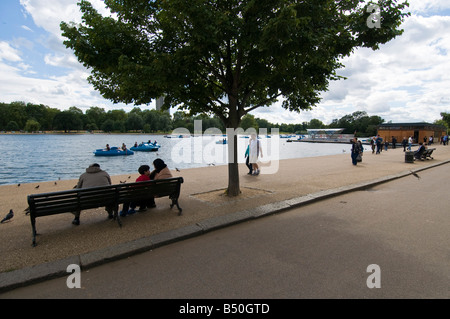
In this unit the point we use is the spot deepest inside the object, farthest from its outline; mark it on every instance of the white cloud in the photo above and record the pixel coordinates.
(48, 15)
(8, 53)
(63, 61)
(406, 80)
(433, 6)
(27, 28)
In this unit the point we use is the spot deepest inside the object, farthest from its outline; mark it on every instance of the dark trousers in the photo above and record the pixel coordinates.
(250, 167)
(141, 204)
(354, 156)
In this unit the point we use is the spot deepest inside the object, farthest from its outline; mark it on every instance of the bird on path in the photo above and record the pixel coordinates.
(177, 169)
(18, 185)
(415, 174)
(27, 210)
(8, 216)
(37, 186)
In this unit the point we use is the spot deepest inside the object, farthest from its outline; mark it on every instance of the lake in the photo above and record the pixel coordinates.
(27, 158)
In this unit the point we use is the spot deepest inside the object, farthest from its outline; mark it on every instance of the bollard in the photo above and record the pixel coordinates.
(409, 157)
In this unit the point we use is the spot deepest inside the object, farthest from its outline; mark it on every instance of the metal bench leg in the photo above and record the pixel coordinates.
(33, 226)
(175, 202)
(117, 216)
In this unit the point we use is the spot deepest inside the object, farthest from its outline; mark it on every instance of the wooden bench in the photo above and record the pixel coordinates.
(425, 155)
(79, 199)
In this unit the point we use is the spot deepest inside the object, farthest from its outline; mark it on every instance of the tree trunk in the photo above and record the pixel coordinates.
(233, 166)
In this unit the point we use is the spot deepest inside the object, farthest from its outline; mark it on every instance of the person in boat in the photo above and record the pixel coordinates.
(107, 147)
(94, 176)
(135, 144)
(124, 147)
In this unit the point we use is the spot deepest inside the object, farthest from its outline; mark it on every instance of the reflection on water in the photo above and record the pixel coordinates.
(47, 157)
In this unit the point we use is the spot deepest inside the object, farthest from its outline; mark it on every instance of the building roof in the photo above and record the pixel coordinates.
(411, 125)
(325, 130)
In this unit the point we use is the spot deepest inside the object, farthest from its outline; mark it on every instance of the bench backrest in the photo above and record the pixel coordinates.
(86, 198)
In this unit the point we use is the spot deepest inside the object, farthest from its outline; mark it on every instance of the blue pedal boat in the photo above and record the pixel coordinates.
(114, 151)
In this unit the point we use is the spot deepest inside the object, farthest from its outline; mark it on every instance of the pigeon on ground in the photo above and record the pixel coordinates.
(27, 210)
(18, 185)
(177, 169)
(8, 216)
(415, 174)
(37, 186)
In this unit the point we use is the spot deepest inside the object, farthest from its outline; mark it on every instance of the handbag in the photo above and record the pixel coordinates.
(359, 157)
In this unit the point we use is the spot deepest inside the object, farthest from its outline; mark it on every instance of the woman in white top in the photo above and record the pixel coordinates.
(255, 151)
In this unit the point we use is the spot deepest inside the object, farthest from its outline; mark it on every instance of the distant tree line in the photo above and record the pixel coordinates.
(28, 117)
(358, 123)
(19, 116)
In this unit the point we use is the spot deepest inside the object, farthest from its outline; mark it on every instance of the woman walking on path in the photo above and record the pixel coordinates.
(255, 151)
(356, 149)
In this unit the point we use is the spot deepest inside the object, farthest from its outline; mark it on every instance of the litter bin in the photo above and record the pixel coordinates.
(409, 157)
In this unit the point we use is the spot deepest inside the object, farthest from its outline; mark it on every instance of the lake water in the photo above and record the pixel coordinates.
(48, 157)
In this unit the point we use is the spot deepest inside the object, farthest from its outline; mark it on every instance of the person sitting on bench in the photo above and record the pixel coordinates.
(418, 154)
(144, 171)
(94, 176)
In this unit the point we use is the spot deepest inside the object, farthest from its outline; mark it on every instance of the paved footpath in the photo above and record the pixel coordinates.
(392, 237)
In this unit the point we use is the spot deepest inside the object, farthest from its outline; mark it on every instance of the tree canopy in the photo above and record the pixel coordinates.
(225, 57)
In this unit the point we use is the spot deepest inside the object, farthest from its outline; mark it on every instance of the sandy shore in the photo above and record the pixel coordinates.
(202, 197)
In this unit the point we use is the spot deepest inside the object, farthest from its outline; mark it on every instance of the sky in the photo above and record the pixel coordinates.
(406, 80)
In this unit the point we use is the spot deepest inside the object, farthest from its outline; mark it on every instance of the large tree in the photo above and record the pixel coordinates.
(225, 57)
